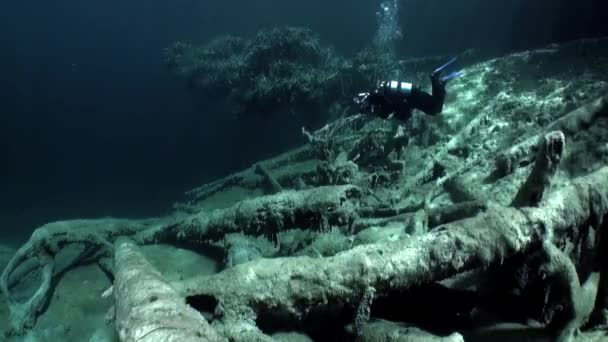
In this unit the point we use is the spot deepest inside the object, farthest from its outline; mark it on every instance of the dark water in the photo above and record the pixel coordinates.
(91, 124)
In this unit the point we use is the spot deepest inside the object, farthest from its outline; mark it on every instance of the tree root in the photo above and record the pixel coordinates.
(149, 309)
(296, 285)
(560, 272)
(39, 254)
(318, 208)
(364, 309)
(599, 316)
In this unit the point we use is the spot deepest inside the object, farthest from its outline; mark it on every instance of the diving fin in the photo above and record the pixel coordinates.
(453, 75)
(438, 70)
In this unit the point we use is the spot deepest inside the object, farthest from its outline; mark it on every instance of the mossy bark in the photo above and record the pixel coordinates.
(148, 308)
(295, 285)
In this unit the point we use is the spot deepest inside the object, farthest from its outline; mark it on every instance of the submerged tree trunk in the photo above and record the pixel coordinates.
(295, 285)
(149, 309)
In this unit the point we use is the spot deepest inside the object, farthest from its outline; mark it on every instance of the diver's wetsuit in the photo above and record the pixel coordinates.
(401, 98)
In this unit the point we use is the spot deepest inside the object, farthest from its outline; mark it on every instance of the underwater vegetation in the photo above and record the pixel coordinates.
(487, 222)
(282, 71)
(277, 69)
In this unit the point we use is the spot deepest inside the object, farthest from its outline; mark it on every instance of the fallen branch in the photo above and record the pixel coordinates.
(408, 220)
(381, 330)
(431, 171)
(461, 191)
(317, 208)
(149, 309)
(299, 284)
(458, 211)
(548, 156)
(271, 185)
(571, 123)
(207, 190)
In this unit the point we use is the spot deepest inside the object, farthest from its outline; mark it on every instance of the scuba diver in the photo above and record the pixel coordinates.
(400, 98)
